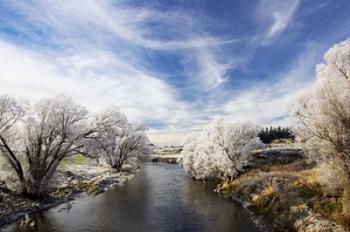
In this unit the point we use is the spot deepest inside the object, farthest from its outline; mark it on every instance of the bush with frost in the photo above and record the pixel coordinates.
(118, 141)
(323, 114)
(219, 150)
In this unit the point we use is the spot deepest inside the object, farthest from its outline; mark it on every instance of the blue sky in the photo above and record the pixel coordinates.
(173, 65)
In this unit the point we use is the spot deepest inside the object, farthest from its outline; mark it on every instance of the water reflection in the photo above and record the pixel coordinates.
(160, 198)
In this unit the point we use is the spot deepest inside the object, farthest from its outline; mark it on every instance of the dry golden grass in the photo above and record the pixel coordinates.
(273, 191)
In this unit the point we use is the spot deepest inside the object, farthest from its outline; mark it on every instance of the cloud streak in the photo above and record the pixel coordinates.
(266, 103)
(85, 34)
(278, 14)
(173, 68)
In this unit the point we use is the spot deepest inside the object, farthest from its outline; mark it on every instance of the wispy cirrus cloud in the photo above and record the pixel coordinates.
(174, 65)
(205, 71)
(104, 21)
(90, 79)
(127, 28)
(95, 47)
(278, 15)
(266, 103)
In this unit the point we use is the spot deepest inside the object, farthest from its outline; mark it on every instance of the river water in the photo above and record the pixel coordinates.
(160, 198)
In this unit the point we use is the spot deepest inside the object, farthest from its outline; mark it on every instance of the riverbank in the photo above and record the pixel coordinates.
(167, 158)
(70, 182)
(169, 154)
(287, 197)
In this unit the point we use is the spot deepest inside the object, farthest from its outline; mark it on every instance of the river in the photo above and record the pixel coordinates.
(160, 198)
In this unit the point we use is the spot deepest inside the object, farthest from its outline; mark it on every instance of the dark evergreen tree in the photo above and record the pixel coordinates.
(267, 135)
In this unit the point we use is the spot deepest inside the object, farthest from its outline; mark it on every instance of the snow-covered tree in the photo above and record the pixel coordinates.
(36, 142)
(236, 141)
(120, 141)
(198, 156)
(219, 150)
(324, 112)
(11, 112)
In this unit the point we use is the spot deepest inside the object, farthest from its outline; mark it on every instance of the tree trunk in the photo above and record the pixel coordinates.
(33, 189)
(117, 166)
(31, 192)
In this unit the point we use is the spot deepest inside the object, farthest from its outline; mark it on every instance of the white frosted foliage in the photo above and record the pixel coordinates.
(219, 150)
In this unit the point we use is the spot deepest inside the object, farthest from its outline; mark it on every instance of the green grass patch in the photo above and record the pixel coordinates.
(77, 159)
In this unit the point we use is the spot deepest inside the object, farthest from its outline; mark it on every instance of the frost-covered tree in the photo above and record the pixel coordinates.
(324, 112)
(120, 141)
(11, 112)
(220, 150)
(199, 156)
(236, 141)
(36, 142)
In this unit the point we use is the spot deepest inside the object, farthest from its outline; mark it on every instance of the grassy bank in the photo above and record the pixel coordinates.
(166, 155)
(289, 197)
(166, 158)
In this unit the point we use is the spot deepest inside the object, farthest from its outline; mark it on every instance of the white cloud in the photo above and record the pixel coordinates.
(90, 78)
(102, 24)
(99, 62)
(101, 20)
(266, 102)
(279, 14)
(204, 70)
(173, 138)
